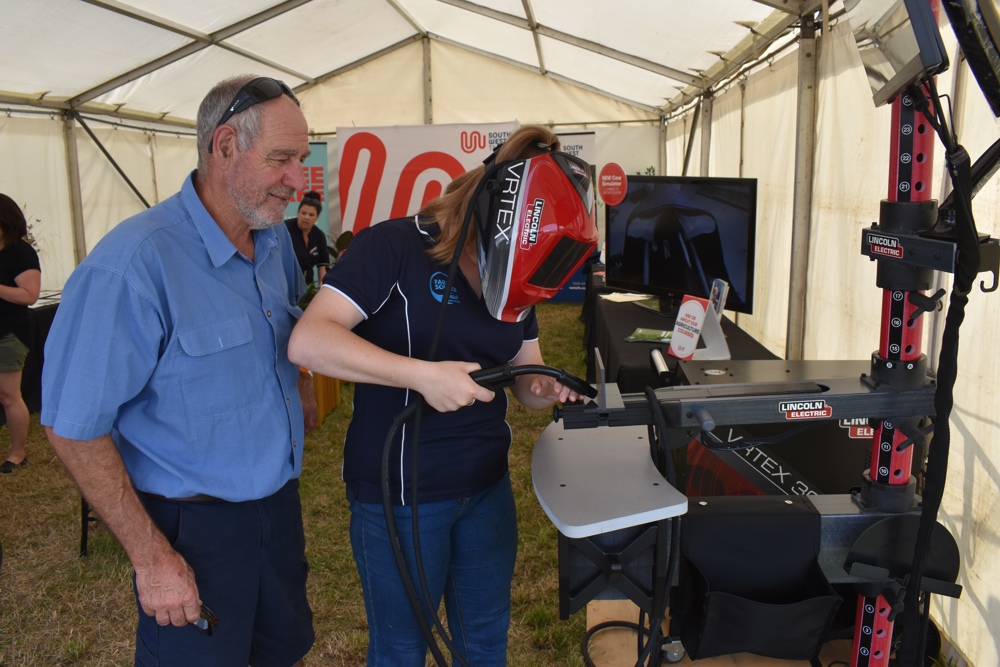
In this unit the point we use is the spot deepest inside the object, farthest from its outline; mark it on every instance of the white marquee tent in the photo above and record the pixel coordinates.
(769, 89)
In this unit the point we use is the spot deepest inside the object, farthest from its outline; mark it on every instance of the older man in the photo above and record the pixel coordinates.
(169, 396)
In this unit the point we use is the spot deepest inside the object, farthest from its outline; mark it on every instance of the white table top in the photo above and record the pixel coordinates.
(596, 480)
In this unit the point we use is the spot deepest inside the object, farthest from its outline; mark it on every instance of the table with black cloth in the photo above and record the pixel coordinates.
(627, 363)
(40, 318)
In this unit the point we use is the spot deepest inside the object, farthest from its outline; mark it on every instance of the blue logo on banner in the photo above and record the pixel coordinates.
(438, 282)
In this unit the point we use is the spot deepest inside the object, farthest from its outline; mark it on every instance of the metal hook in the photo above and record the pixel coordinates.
(991, 288)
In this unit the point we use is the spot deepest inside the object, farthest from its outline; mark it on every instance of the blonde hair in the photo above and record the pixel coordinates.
(448, 210)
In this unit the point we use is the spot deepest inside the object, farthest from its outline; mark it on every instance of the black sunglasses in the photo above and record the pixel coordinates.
(254, 92)
(206, 620)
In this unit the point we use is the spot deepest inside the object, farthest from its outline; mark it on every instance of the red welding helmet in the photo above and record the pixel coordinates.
(535, 224)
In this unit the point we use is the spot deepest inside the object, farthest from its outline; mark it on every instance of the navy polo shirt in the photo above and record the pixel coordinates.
(399, 290)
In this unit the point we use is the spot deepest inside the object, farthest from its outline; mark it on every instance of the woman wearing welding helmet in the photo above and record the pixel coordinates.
(375, 323)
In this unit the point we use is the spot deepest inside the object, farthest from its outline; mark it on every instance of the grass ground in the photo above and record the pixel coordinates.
(59, 609)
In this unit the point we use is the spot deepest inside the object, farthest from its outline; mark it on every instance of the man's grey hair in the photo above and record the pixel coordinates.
(246, 123)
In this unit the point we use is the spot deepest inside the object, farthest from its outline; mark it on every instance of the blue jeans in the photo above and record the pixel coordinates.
(469, 546)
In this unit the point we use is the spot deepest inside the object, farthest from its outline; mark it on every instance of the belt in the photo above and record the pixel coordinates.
(198, 498)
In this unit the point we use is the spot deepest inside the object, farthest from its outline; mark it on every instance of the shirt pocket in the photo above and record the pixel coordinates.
(221, 371)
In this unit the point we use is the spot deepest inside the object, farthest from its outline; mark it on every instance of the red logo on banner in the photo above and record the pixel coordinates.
(611, 184)
(366, 142)
(473, 141)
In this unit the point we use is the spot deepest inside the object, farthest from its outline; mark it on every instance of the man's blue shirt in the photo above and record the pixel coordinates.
(176, 344)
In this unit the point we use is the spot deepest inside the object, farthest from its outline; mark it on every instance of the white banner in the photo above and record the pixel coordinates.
(391, 172)
(580, 144)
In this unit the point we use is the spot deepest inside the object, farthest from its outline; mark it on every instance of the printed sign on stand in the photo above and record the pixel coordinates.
(687, 328)
(701, 319)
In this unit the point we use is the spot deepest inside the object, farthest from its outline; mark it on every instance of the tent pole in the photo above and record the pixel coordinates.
(104, 151)
(663, 145)
(690, 141)
(73, 178)
(707, 106)
(428, 100)
(805, 148)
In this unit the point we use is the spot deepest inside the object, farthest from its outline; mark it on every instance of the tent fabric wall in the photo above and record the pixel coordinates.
(769, 156)
(677, 133)
(33, 173)
(173, 156)
(107, 198)
(843, 305)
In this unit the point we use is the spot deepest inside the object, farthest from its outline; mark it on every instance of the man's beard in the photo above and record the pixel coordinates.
(257, 215)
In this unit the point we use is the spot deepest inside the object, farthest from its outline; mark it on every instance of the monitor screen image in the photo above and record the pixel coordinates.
(674, 235)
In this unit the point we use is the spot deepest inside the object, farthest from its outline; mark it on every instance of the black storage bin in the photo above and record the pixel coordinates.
(749, 578)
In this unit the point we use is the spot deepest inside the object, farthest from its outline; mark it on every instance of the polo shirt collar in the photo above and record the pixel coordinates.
(220, 248)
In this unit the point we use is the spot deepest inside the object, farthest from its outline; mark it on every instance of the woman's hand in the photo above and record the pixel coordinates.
(447, 385)
(551, 390)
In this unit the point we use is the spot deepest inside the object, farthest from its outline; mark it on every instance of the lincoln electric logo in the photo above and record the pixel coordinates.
(887, 246)
(511, 185)
(805, 409)
(473, 141)
(858, 428)
(529, 234)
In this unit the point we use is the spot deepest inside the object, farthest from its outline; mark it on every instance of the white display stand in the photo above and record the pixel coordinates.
(716, 348)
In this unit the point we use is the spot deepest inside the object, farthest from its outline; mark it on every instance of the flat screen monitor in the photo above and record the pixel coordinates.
(674, 235)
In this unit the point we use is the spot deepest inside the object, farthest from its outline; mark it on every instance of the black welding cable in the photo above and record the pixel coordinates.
(966, 269)
(413, 411)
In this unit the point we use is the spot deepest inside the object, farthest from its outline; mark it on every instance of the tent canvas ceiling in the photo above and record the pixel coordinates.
(157, 58)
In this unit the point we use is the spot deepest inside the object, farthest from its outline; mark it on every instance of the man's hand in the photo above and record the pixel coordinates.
(164, 581)
(167, 590)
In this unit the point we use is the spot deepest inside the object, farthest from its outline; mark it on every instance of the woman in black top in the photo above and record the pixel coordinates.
(309, 240)
(20, 281)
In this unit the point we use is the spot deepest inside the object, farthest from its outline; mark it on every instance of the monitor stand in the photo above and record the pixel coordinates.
(666, 306)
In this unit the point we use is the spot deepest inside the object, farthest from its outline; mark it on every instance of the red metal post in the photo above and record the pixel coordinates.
(911, 160)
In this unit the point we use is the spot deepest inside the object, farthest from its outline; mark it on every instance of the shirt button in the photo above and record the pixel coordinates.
(288, 401)
(269, 313)
(294, 443)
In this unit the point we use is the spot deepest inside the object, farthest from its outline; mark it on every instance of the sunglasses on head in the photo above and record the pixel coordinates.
(253, 92)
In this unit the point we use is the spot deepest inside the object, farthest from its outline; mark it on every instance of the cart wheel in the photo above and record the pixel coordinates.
(673, 650)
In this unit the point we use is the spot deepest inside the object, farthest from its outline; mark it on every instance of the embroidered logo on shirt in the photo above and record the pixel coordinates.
(437, 284)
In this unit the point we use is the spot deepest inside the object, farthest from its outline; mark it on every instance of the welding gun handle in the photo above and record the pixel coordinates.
(498, 377)
(579, 385)
(495, 378)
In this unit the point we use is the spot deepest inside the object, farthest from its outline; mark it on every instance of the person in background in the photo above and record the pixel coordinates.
(20, 281)
(169, 396)
(372, 324)
(309, 240)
